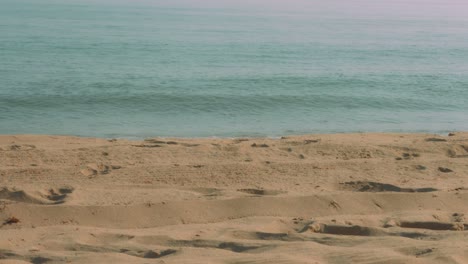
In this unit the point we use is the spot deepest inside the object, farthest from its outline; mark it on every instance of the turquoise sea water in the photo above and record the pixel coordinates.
(232, 68)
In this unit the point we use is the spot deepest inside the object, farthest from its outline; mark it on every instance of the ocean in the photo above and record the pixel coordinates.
(187, 68)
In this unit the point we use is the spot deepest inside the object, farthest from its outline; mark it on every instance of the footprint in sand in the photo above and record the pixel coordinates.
(51, 196)
(15, 147)
(458, 217)
(13, 194)
(439, 226)
(255, 145)
(308, 141)
(94, 169)
(190, 145)
(368, 186)
(260, 191)
(147, 146)
(346, 230)
(58, 195)
(420, 167)
(156, 141)
(458, 151)
(153, 254)
(408, 156)
(239, 140)
(445, 170)
(436, 140)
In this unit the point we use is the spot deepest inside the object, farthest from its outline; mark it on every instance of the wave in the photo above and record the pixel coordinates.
(166, 103)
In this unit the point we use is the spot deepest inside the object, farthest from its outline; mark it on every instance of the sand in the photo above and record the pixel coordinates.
(346, 198)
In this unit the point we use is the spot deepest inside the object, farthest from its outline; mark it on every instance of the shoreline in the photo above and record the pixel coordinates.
(324, 198)
(277, 137)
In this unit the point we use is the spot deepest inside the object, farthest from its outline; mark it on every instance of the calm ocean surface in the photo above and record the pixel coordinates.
(232, 68)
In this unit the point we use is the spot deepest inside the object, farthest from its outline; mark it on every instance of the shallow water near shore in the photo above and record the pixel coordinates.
(138, 69)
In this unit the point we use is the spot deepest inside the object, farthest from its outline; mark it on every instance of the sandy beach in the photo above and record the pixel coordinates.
(343, 198)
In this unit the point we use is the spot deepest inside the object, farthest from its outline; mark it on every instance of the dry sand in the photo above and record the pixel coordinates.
(357, 198)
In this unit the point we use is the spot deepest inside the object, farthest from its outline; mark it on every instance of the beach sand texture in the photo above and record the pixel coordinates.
(343, 198)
